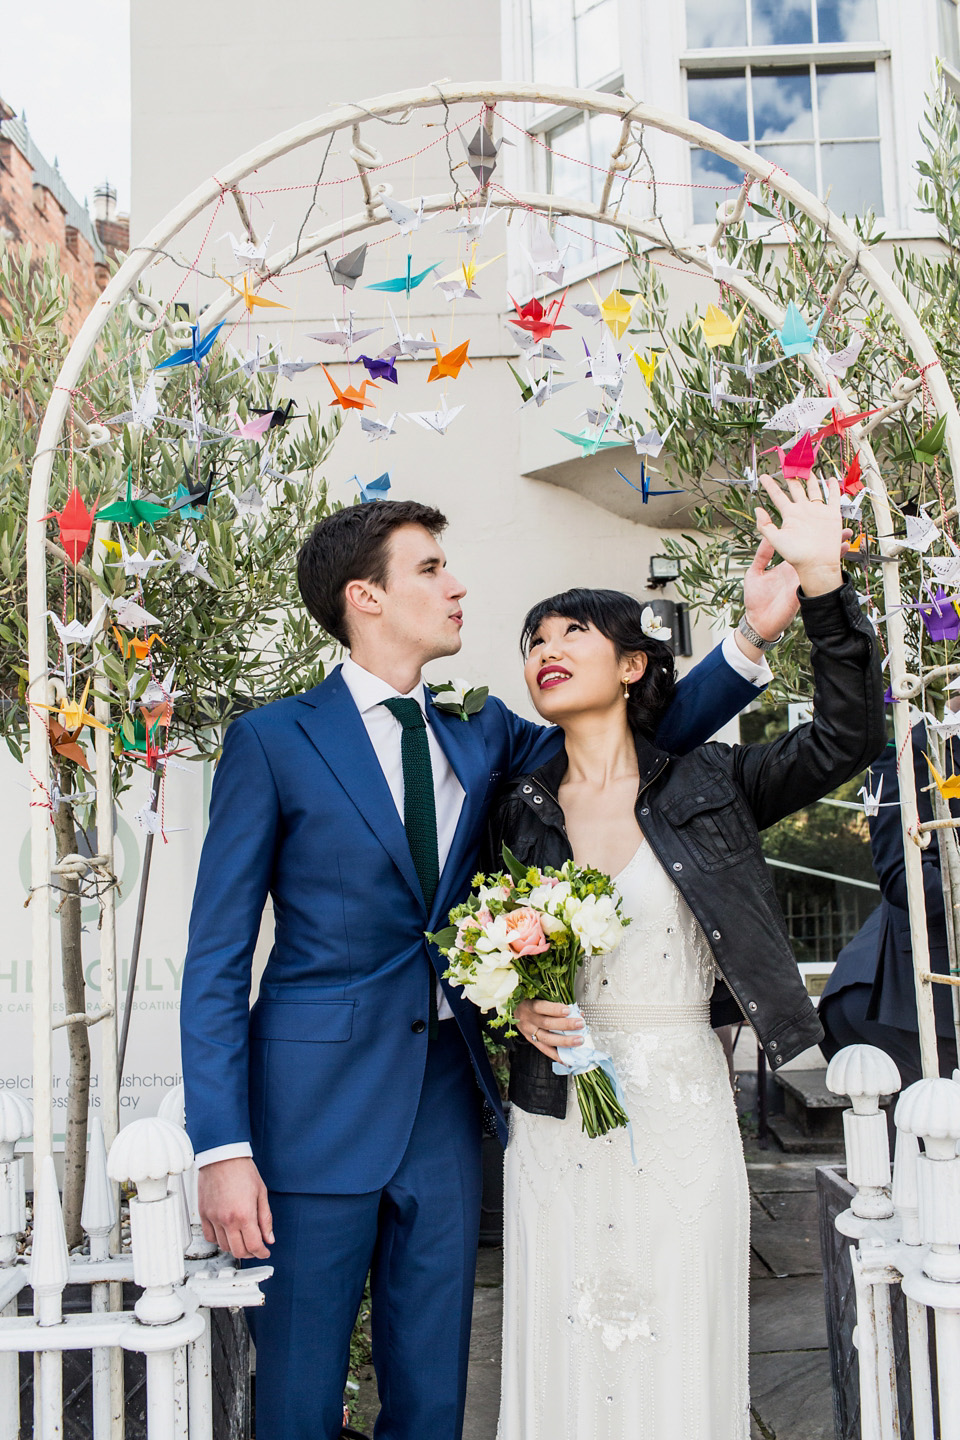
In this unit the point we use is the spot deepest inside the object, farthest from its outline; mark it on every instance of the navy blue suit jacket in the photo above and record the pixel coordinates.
(323, 1075)
(881, 953)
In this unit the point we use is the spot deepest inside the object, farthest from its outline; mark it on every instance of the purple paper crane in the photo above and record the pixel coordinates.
(941, 616)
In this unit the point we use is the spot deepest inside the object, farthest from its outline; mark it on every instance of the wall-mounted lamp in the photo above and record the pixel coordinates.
(663, 570)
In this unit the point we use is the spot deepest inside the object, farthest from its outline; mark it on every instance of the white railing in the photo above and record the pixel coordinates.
(906, 1232)
(182, 1278)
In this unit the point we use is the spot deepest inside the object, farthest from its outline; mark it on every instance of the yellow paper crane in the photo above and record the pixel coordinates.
(72, 714)
(469, 272)
(718, 327)
(949, 788)
(251, 298)
(616, 310)
(647, 367)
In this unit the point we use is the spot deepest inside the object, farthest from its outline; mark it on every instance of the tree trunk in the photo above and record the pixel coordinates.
(74, 996)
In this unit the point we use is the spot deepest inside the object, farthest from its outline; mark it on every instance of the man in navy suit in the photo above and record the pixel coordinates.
(339, 1121)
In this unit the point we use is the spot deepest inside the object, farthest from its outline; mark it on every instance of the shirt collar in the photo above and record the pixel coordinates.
(369, 690)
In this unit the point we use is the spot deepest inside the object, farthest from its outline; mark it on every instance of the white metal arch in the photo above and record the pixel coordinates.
(351, 117)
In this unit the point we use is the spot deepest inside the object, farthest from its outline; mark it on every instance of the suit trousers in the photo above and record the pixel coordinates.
(418, 1239)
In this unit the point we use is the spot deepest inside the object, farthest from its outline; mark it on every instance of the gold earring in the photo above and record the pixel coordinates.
(626, 689)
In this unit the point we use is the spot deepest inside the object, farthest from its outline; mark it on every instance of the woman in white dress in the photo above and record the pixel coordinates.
(625, 1279)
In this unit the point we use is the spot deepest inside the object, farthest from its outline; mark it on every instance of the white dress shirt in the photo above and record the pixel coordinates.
(384, 729)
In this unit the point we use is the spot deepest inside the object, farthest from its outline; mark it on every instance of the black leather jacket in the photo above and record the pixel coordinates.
(701, 815)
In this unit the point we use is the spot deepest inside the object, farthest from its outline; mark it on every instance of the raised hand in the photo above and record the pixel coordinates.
(770, 593)
(810, 534)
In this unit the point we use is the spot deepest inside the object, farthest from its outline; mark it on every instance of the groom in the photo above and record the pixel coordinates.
(339, 1121)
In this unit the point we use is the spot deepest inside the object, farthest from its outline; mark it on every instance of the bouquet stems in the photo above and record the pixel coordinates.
(600, 1110)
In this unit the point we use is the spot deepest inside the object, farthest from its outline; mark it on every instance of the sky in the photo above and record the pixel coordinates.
(67, 64)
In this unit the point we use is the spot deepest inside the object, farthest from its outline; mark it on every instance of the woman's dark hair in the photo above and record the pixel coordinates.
(353, 544)
(617, 616)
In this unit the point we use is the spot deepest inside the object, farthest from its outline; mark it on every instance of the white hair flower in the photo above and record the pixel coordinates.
(650, 625)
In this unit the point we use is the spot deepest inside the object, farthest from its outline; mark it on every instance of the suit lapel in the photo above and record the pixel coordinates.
(464, 747)
(333, 724)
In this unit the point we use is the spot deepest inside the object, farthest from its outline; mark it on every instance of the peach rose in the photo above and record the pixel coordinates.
(524, 933)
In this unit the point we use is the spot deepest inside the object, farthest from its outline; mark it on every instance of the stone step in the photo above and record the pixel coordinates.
(796, 1141)
(811, 1110)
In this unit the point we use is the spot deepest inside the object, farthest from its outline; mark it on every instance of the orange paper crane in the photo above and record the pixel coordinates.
(251, 298)
(64, 742)
(134, 645)
(950, 787)
(76, 523)
(351, 398)
(72, 714)
(450, 364)
(539, 322)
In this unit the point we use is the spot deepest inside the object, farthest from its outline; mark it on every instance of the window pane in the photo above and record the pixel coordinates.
(604, 132)
(846, 20)
(716, 22)
(949, 35)
(847, 100)
(851, 178)
(797, 160)
(719, 101)
(568, 146)
(598, 43)
(782, 22)
(551, 33)
(716, 175)
(781, 105)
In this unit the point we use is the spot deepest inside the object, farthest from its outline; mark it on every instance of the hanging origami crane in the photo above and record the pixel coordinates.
(131, 511)
(63, 742)
(718, 327)
(134, 645)
(647, 365)
(801, 413)
(405, 283)
(251, 298)
(591, 441)
(796, 463)
(720, 268)
(437, 420)
(144, 408)
(616, 310)
(245, 252)
(286, 369)
(871, 801)
(537, 321)
(537, 391)
(351, 398)
(940, 617)
(852, 482)
(839, 363)
(375, 429)
(251, 363)
(276, 416)
(840, 423)
(347, 270)
(405, 343)
(924, 450)
(374, 489)
(754, 366)
(189, 561)
(643, 489)
(75, 522)
(473, 228)
(381, 367)
(136, 564)
(950, 787)
(402, 215)
(343, 334)
(651, 442)
(605, 366)
(482, 151)
(131, 615)
(196, 351)
(458, 285)
(450, 364)
(254, 429)
(192, 498)
(72, 714)
(795, 335)
(543, 253)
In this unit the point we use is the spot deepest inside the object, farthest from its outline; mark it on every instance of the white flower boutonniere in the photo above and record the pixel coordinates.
(459, 697)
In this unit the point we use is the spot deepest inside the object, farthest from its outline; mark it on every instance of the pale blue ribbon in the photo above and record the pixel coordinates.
(578, 1059)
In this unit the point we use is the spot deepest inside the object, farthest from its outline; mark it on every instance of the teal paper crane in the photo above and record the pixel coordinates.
(796, 337)
(591, 443)
(193, 353)
(404, 283)
(131, 511)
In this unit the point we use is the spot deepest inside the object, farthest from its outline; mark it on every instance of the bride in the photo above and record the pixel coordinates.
(625, 1280)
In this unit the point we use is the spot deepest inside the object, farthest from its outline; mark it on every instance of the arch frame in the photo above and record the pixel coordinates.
(351, 117)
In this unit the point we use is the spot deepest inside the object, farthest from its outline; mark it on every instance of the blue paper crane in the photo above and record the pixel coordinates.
(196, 351)
(796, 337)
(375, 490)
(643, 489)
(407, 282)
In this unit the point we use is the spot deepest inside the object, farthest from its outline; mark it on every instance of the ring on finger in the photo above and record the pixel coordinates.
(536, 1032)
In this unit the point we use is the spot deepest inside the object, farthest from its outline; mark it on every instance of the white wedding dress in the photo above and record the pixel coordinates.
(625, 1285)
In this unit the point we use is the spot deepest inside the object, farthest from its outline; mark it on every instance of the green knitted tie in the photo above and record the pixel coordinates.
(419, 809)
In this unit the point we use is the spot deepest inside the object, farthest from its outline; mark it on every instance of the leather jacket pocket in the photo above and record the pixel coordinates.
(710, 821)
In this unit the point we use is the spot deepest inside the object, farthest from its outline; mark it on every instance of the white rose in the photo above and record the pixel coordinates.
(595, 924)
(551, 925)
(491, 985)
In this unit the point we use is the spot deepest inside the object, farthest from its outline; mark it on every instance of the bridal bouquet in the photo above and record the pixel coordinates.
(523, 935)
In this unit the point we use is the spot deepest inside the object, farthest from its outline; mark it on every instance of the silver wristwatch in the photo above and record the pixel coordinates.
(748, 633)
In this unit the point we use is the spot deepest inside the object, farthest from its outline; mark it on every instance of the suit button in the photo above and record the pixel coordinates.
(418, 1027)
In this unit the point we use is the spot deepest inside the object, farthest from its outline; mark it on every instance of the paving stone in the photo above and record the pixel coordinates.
(489, 1266)
(757, 1267)
(799, 1206)
(787, 1314)
(788, 1249)
(790, 1395)
(483, 1377)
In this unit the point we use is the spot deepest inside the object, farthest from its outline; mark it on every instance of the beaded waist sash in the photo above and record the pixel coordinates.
(619, 1017)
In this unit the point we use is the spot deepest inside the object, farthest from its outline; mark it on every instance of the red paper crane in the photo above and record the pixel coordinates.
(76, 523)
(797, 462)
(852, 483)
(839, 423)
(539, 323)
